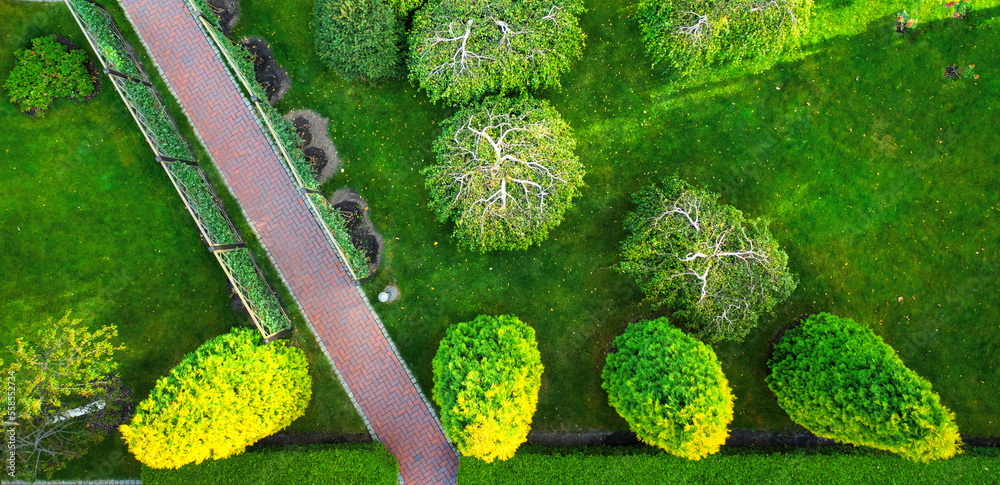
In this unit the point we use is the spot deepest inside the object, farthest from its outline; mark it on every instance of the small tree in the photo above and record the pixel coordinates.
(839, 380)
(487, 373)
(462, 50)
(505, 173)
(63, 385)
(670, 389)
(359, 39)
(716, 269)
(46, 71)
(693, 34)
(226, 395)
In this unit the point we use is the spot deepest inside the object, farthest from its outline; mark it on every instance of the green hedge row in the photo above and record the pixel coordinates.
(836, 465)
(346, 464)
(197, 191)
(255, 289)
(291, 142)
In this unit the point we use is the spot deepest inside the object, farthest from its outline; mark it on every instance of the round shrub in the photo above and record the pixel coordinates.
(693, 34)
(839, 380)
(505, 173)
(46, 71)
(461, 50)
(670, 389)
(223, 397)
(487, 373)
(359, 39)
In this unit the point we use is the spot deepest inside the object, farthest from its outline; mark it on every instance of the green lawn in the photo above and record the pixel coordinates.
(90, 223)
(876, 171)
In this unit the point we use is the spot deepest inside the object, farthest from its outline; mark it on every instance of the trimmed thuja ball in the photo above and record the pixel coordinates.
(505, 173)
(359, 39)
(223, 397)
(487, 373)
(670, 389)
(839, 380)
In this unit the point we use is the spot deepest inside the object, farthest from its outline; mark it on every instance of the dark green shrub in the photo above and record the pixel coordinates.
(693, 34)
(839, 380)
(344, 464)
(487, 373)
(359, 39)
(505, 173)
(717, 270)
(670, 389)
(46, 71)
(461, 50)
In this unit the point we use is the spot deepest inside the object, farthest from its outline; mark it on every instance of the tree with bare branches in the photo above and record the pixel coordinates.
(461, 50)
(505, 173)
(716, 269)
(690, 35)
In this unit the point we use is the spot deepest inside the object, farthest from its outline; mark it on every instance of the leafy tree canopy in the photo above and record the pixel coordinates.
(505, 173)
(359, 39)
(46, 71)
(62, 378)
(487, 373)
(461, 50)
(226, 395)
(694, 34)
(716, 269)
(839, 380)
(670, 389)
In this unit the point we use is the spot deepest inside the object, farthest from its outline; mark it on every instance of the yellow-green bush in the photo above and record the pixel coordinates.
(226, 395)
(670, 389)
(839, 380)
(487, 373)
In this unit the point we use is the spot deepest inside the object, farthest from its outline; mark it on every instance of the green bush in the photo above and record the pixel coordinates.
(46, 71)
(403, 7)
(359, 39)
(505, 173)
(694, 34)
(839, 380)
(487, 373)
(834, 465)
(670, 389)
(717, 270)
(343, 464)
(461, 50)
(226, 395)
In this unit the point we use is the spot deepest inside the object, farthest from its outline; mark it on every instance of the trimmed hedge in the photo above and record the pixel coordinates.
(839, 380)
(292, 144)
(359, 39)
(347, 464)
(835, 465)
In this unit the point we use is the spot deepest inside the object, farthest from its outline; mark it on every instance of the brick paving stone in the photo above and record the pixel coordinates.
(368, 364)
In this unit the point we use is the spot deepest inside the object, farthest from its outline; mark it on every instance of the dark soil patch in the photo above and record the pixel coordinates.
(359, 226)
(312, 439)
(228, 12)
(316, 158)
(268, 73)
(318, 149)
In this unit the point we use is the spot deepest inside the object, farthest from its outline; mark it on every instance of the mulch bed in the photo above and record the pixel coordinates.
(317, 147)
(228, 12)
(359, 226)
(266, 70)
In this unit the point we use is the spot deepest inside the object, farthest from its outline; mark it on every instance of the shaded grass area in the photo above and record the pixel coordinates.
(834, 465)
(90, 223)
(877, 172)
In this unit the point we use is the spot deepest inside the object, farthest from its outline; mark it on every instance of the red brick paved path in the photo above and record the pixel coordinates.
(368, 364)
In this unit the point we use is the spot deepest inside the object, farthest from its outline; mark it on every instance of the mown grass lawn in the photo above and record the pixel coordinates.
(878, 173)
(90, 223)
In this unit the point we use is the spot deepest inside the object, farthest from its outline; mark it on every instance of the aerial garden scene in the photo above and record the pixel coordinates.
(500, 242)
